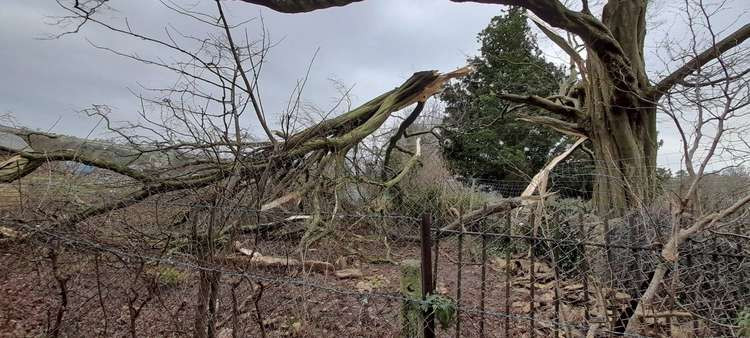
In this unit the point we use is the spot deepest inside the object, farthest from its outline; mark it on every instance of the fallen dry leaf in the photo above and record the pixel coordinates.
(573, 287)
(364, 286)
(297, 328)
(441, 289)
(8, 232)
(523, 307)
(547, 297)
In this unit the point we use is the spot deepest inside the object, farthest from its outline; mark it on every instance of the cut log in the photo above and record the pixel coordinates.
(255, 258)
(348, 273)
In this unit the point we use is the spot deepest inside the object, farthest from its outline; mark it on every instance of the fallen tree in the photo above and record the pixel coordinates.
(613, 104)
(307, 150)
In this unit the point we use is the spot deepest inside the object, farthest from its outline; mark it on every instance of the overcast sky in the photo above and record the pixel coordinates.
(373, 45)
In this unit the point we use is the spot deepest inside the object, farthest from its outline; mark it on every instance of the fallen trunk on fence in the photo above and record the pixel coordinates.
(538, 183)
(152, 167)
(504, 205)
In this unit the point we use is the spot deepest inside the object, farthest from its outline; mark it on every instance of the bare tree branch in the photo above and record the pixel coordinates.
(397, 136)
(568, 112)
(564, 127)
(729, 42)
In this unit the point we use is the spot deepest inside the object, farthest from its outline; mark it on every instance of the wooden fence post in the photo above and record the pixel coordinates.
(412, 317)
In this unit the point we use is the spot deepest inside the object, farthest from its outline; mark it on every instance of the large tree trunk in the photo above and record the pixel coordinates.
(619, 110)
(622, 123)
(623, 134)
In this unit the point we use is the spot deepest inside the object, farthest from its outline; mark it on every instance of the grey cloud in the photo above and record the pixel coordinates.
(373, 44)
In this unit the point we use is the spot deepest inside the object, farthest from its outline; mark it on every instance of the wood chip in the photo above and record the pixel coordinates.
(364, 286)
(8, 232)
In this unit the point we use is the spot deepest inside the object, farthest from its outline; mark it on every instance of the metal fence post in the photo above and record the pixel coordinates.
(458, 271)
(427, 277)
(584, 268)
(532, 278)
(483, 291)
(507, 275)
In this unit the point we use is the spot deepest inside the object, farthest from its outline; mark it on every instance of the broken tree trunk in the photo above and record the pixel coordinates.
(297, 155)
(504, 205)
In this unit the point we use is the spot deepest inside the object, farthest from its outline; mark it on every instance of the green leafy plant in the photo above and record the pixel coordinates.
(443, 307)
(167, 276)
(743, 320)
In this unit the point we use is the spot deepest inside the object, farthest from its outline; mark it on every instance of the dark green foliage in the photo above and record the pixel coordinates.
(485, 140)
(574, 177)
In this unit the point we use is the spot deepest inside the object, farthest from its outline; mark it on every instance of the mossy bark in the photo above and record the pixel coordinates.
(622, 122)
(412, 317)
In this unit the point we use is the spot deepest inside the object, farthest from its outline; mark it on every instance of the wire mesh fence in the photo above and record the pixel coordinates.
(568, 282)
(560, 271)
